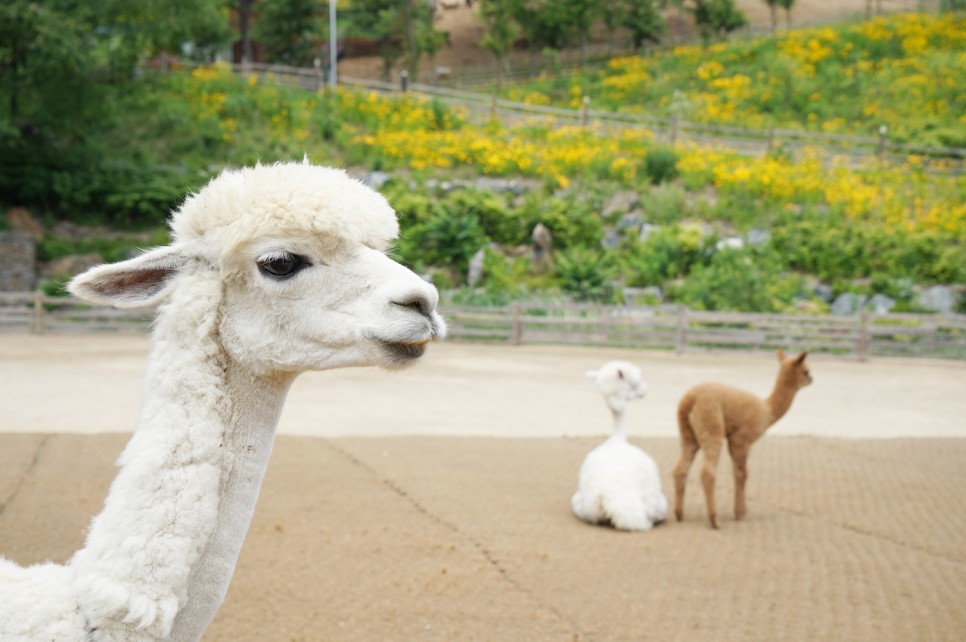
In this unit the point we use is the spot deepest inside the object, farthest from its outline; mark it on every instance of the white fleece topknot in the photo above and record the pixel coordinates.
(284, 198)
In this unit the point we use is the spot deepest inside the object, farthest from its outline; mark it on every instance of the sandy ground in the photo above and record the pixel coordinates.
(432, 504)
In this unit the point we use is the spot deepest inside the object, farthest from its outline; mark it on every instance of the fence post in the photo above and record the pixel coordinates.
(681, 336)
(516, 328)
(673, 134)
(38, 326)
(883, 140)
(319, 76)
(404, 81)
(864, 336)
(585, 112)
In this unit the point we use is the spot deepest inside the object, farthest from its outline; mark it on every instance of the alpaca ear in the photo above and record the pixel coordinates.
(780, 353)
(620, 375)
(134, 283)
(800, 359)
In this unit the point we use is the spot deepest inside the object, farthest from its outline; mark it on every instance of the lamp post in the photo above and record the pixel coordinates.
(333, 48)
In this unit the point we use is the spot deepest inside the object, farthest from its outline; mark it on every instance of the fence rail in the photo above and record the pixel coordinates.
(645, 327)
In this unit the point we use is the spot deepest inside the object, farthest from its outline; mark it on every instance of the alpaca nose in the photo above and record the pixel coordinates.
(422, 300)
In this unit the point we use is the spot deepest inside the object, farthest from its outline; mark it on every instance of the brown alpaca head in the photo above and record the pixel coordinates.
(793, 370)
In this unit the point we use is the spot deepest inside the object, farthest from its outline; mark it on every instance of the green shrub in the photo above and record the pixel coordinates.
(661, 165)
(669, 253)
(585, 274)
(572, 221)
(742, 280)
(444, 240)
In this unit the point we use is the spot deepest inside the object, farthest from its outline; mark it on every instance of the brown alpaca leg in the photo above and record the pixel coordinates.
(739, 459)
(689, 448)
(711, 453)
(709, 431)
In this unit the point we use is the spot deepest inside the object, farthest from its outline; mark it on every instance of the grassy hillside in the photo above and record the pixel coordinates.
(904, 71)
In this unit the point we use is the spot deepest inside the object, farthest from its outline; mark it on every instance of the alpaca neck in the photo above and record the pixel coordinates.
(620, 425)
(175, 516)
(780, 399)
(256, 403)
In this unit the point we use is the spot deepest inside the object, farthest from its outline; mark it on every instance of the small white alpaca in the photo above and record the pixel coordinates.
(618, 482)
(274, 270)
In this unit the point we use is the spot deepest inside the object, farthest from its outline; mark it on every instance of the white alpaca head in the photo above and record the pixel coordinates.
(299, 251)
(619, 382)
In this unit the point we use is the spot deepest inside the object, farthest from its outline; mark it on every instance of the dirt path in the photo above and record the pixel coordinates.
(445, 516)
(91, 384)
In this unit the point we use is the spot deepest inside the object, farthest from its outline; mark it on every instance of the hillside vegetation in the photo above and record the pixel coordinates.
(709, 229)
(903, 71)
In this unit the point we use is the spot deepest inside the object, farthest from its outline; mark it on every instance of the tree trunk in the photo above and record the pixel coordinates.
(244, 12)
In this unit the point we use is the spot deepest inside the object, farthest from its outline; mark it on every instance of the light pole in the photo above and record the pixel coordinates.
(333, 48)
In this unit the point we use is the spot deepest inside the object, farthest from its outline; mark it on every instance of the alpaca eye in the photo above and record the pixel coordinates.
(282, 265)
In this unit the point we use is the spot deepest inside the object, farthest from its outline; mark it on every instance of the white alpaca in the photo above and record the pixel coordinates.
(274, 270)
(618, 482)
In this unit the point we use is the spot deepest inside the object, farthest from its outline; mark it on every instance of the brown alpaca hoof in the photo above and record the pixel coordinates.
(714, 522)
(679, 515)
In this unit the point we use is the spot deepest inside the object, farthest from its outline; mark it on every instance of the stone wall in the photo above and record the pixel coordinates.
(18, 252)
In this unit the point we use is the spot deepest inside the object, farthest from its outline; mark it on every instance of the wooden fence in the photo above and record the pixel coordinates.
(645, 327)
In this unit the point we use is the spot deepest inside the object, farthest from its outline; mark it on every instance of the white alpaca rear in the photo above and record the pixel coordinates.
(619, 484)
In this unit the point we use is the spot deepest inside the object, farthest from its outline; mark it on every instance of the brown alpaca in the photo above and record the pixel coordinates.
(709, 413)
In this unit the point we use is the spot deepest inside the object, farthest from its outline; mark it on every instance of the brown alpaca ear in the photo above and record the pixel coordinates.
(800, 359)
(620, 374)
(780, 353)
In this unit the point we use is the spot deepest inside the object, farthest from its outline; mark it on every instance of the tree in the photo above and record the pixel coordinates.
(715, 18)
(774, 5)
(244, 15)
(644, 20)
(402, 29)
(290, 30)
(45, 63)
(546, 23)
(128, 31)
(501, 31)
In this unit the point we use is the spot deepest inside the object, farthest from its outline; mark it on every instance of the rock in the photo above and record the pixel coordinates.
(824, 292)
(847, 303)
(611, 240)
(623, 201)
(881, 303)
(730, 243)
(17, 262)
(646, 230)
(376, 180)
(20, 220)
(542, 246)
(757, 237)
(632, 220)
(938, 298)
(475, 272)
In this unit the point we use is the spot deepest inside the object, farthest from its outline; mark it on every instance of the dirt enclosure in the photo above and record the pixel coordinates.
(432, 504)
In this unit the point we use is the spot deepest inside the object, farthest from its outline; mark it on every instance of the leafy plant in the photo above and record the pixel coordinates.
(661, 164)
(587, 275)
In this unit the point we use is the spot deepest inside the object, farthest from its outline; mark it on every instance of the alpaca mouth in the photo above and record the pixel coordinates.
(402, 351)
